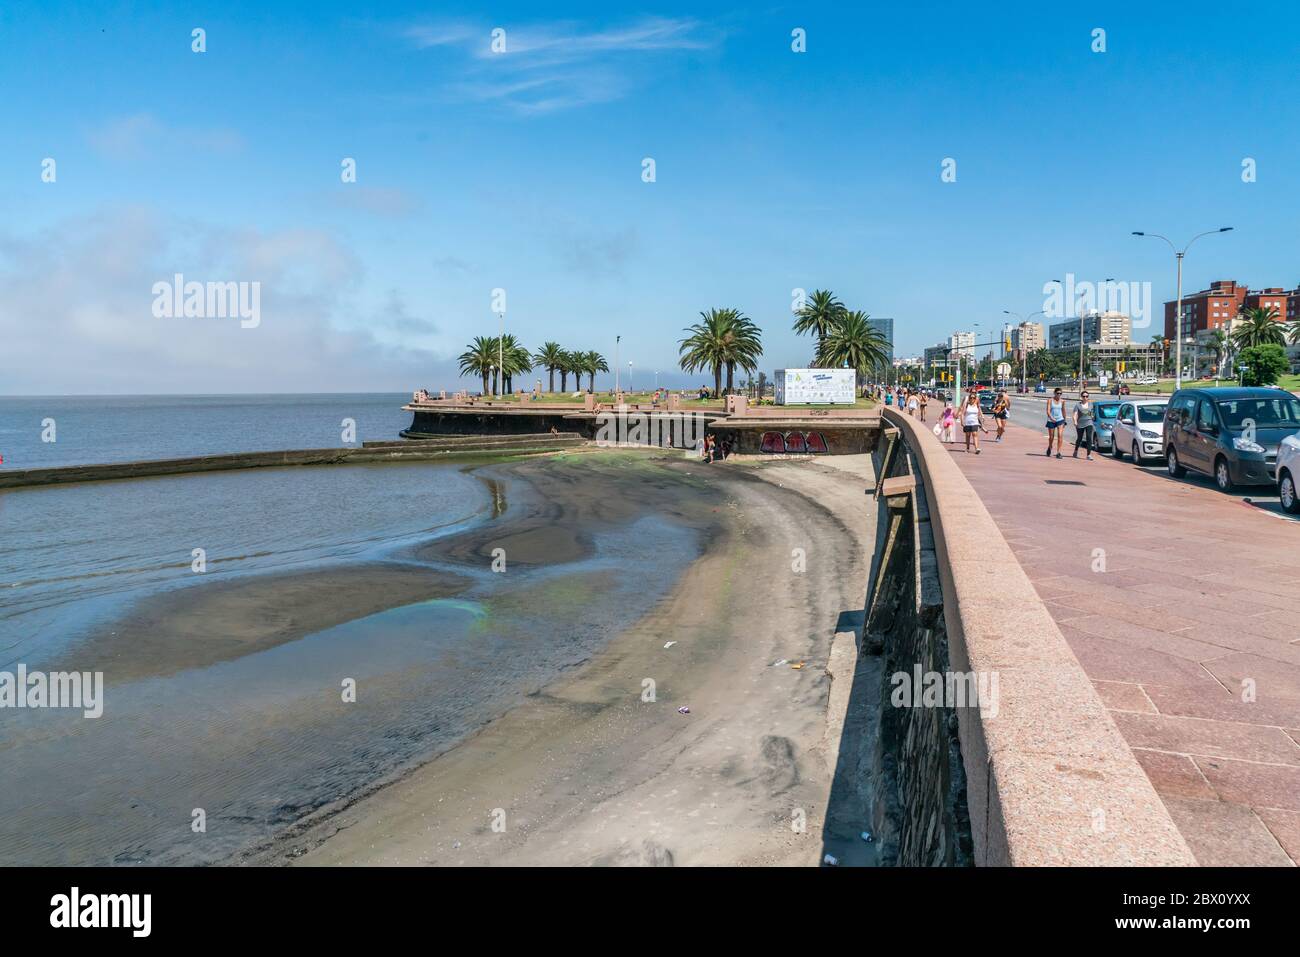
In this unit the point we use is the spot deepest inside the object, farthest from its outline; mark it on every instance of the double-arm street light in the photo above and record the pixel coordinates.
(1178, 310)
(1083, 383)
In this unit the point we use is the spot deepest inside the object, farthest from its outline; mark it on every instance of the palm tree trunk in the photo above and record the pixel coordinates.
(564, 380)
(731, 369)
(591, 382)
(485, 383)
(551, 370)
(717, 380)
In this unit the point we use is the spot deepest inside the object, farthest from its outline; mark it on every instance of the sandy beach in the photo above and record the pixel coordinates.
(594, 769)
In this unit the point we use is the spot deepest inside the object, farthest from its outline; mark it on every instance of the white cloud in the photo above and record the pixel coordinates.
(142, 134)
(562, 66)
(75, 313)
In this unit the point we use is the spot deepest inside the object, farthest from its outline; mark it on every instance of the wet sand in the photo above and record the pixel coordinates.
(214, 621)
(590, 770)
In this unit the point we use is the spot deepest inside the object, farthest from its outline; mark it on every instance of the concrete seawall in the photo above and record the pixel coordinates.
(1039, 775)
(370, 452)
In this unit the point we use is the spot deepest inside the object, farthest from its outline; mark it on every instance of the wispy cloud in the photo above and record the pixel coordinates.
(544, 69)
(133, 137)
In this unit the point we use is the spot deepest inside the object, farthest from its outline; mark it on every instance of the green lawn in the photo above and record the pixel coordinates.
(1289, 382)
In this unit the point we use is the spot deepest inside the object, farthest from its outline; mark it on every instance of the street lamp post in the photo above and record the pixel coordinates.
(501, 344)
(629, 375)
(617, 340)
(1178, 309)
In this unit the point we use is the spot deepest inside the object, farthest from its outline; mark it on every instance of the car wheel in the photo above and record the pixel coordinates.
(1171, 463)
(1286, 491)
(1115, 450)
(1137, 456)
(1222, 476)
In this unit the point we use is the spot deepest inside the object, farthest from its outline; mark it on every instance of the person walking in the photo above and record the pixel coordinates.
(925, 398)
(1085, 432)
(1055, 422)
(972, 420)
(1001, 408)
(913, 404)
(947, 421)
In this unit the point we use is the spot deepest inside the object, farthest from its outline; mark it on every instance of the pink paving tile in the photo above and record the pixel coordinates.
(1178, 645)
(1187, 634)
(1205, 738)
(1278, 712)
(1107, 660)
(1273, 679)
(1174, 775)
(1123, 696)
(1225, 835)
(1249, 782)
(1285, 827)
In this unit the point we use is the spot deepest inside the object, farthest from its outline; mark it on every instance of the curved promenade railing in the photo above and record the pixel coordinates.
(1047, 777)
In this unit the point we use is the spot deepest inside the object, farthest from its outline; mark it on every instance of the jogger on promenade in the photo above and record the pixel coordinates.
(1055, 422)
(1085, 433)
(1001, 407)
(972, 420)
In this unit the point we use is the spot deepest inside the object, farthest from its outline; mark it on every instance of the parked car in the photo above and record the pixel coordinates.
(1140, 429)
(987, 398)
(1105, 413)
(1040, 387)
(1288, 473)
(1230, 434)
(1148, 380)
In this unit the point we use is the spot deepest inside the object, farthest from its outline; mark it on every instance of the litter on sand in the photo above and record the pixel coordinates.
(830, 860)
(778, 664)
(670, 644)
(683, 710)
(796, 667)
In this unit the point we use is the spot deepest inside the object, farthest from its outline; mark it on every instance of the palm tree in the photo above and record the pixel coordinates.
(724, 337)
(549, 357)
(1216, 344)
(1293, 331)
(592, 362)
(1159, 340)
(569, 365)
(819, 315)
(744, 346)
(514, 355)
(854, 344)
(1259, 327)
(479, 359)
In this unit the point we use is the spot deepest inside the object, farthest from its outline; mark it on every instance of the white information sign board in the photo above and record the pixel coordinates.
(816, 387)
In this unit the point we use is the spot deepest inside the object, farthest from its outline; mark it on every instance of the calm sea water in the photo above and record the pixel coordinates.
(258, 741)
(94, 429)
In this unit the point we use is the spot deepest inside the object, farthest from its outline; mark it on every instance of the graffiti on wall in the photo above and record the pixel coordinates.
(794, 443)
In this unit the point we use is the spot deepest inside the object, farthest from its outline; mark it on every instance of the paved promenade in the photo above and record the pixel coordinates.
(1182, 604)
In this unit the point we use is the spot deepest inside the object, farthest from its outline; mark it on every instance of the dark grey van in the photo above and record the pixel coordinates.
(1229, 434)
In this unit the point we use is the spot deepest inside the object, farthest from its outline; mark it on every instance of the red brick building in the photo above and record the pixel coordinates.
(1219, 305)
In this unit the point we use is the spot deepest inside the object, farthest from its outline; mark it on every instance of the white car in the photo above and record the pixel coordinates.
(1288, 473)
(1139, 429)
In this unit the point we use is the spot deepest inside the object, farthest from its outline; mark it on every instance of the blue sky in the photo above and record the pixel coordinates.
(775, 170)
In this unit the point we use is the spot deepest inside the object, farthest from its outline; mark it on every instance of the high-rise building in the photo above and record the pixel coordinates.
(1209, 308)
(1099, 328)
(1028, 337)
(885, 326)
(963, 342)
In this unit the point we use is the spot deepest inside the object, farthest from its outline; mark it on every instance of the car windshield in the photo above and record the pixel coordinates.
(1152, 413)
(1108, 411)
(1281, 411)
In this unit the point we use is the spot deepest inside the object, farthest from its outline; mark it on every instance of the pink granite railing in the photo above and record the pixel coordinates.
(1048, 779)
